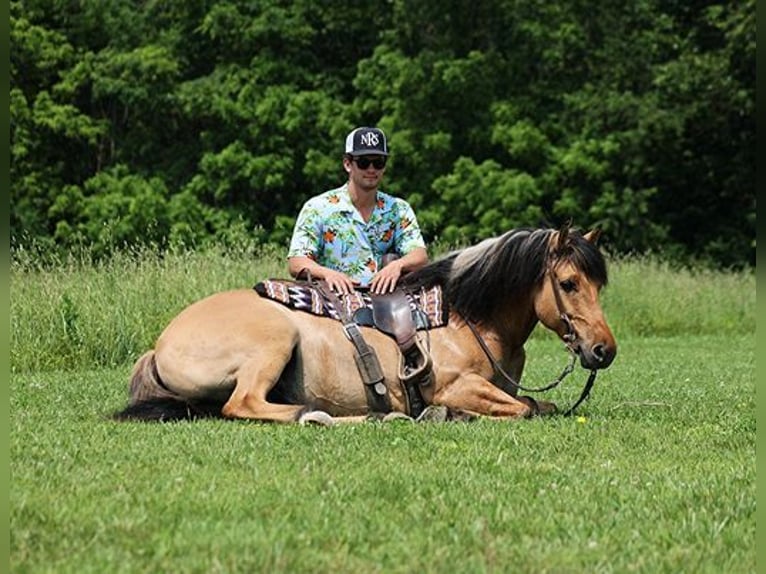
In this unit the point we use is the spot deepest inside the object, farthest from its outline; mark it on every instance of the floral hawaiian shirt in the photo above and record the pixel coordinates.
(331, 231)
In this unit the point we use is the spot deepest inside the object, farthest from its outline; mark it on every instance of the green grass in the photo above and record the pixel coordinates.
(658, 476)
(655, 474)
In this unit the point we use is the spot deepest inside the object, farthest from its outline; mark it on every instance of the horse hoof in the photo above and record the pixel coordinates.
(320, 418)
(547, 408)
(433, 414)
(539, 408)
(396, 416)
(460, 416)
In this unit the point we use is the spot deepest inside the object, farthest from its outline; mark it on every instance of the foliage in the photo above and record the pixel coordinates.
(189, 118)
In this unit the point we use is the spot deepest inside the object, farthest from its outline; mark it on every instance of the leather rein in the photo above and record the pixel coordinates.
(569, 338)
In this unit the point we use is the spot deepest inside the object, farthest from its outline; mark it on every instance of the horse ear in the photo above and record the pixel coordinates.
(593, 235)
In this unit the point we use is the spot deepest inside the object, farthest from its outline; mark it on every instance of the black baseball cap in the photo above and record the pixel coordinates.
(366, 141)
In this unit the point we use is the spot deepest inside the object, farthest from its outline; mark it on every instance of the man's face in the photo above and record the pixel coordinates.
(366, 171)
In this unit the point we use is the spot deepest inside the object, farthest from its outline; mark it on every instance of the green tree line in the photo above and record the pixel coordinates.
(181, 122)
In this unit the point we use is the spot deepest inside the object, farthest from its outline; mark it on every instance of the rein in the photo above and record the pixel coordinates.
(556, 382)
(569, 339)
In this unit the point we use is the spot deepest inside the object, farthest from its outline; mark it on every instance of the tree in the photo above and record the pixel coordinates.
(638, 118)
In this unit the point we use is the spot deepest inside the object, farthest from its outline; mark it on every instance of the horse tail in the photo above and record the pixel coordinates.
(152, 400)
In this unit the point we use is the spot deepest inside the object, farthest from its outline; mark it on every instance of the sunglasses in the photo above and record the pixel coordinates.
(364, 162)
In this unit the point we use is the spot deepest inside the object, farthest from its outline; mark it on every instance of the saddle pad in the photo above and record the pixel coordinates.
(301, 296)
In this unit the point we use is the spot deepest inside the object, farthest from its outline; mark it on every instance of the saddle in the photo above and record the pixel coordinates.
(391, 314)
(399, 314)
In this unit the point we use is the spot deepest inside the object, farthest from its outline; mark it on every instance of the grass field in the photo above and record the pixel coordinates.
(656, 474)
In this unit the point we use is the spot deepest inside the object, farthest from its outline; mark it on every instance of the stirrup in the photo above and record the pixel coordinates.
(415, 364)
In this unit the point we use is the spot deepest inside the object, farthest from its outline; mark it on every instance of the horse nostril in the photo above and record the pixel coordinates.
(599, 351)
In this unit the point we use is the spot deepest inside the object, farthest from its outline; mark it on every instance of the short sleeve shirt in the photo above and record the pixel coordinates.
(330, 230)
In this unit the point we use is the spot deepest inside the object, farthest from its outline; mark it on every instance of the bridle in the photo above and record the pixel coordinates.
(569, 339)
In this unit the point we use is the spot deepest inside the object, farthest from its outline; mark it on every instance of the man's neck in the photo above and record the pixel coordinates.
(363, 199)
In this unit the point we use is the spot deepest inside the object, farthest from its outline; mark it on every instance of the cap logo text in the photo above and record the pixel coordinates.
(370, 139)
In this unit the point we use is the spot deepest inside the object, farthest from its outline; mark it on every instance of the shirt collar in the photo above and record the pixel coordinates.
(346, 205)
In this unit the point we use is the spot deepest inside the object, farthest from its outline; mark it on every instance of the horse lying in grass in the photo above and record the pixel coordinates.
(239, 355)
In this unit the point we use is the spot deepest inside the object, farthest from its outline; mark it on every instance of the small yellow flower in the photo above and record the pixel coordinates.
(582, 420)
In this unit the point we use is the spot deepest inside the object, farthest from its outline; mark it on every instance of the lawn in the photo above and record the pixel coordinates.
(655, 473)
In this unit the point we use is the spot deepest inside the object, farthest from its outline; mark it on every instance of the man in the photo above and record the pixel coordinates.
(356, 235)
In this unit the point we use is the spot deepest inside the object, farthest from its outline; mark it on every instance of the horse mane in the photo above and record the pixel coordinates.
(478, 279)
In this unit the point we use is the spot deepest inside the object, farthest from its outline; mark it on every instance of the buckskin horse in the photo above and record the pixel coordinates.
(239, 355)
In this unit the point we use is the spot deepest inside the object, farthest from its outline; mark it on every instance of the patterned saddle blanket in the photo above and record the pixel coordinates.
(299, 295)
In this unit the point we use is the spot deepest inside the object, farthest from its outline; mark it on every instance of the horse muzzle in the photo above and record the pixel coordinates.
(593, 356)
(597, 356)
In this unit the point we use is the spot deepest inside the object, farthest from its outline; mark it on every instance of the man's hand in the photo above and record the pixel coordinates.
(385, 280)
(337, 281)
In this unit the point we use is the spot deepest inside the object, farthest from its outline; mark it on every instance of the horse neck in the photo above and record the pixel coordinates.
(514, 322)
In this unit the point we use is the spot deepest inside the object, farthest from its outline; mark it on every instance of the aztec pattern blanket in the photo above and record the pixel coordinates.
(303, 297)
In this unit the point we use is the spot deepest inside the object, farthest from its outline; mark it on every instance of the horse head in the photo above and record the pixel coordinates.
(567, 301)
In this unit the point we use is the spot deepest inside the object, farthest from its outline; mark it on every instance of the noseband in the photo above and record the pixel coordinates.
(569, 339)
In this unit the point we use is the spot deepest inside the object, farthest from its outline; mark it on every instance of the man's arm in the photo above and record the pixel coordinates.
(414, 260)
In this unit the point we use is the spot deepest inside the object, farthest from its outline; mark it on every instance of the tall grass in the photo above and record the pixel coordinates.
(78, 312)
(81, 313)
(647, 296)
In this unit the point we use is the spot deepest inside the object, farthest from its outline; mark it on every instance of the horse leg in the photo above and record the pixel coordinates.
(514, 368)
(477, 395)
(255, 378)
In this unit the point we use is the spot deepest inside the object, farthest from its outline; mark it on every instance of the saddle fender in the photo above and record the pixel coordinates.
(391, 314)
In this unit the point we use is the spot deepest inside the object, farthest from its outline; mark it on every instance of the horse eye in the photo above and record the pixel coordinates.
(568, 285)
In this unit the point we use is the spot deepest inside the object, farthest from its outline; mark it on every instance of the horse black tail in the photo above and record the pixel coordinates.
(151, 400)
(168, 410)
